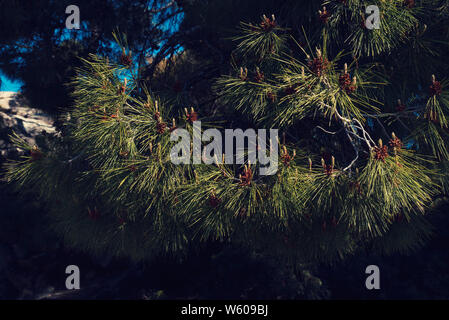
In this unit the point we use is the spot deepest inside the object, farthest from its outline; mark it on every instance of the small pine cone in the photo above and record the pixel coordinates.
(243, 74)
(435, 87)
(291, 89)
(160, 127)
(324, 15)
(346, 84)
(380, 152)
(35, 153)
(318, 65)
(395, 143)
(259, 77)
(286, 158)
(271, 96)
(267, 24)
(192, 116)
(156, 115)
(126, 59)
(328, 169)
(246, 177)
(345, 81)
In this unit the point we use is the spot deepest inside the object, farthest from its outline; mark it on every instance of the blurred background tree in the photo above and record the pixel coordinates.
(37, 49)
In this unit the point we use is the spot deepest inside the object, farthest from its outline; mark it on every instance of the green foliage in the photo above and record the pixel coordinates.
(111, 187)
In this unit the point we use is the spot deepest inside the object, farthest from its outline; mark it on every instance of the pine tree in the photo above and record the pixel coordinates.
(362, 156)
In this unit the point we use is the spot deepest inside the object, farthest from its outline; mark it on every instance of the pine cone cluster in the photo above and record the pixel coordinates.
(161, 126)
(380, 152)
(319, 64)
(268, 24)
(286, 158)
(324, 15)
(345, 82)
(126, 59)
(328, 169)
(259, 76)
(435, 87)
(35, 153)
(271, 96)
(246, 177)
(191, 116)
(243, 74)
(395, 143)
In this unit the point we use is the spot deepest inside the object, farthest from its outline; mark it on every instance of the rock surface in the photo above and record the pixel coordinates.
(17, 116)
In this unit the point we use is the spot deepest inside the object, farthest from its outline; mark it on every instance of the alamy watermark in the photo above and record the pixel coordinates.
(73, 20)
(373, 280)
(373, 20)
(189, 150)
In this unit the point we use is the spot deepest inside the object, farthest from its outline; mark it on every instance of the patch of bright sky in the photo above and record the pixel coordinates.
(8, 84)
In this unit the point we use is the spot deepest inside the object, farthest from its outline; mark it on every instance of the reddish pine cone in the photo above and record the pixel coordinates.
(380, 152)
(160, 127)
(324, 15)
(259, 76)
(395, 143)
(246, 177)
(271, 96)
(268, 24)
(318, 65)
(435, 87)
(192, 116)
(126, 59)
(35, 153)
